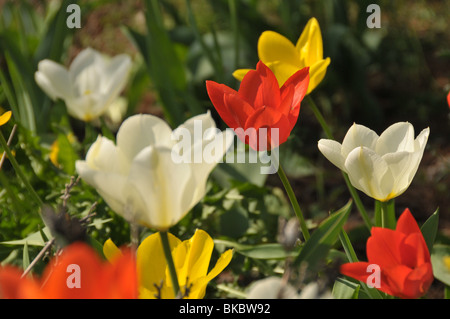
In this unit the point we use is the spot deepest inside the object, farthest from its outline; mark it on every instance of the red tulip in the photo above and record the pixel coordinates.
(78, 273)
(448, 99)
(262, 114)
(402, 257)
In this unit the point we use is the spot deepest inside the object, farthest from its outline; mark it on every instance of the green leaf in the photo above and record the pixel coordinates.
(441, 269)
(261, 251)
(345, 289)
(429, 229)
(35, 239)
(323, 238)
(26, 256)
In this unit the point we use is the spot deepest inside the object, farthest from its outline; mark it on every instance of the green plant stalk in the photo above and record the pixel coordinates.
(386, 213)
(350, 187)
(294, 202)
(170, 263)
(19, 171)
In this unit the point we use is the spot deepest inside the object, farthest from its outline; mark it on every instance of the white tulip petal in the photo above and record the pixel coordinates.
(86, 58)
(109, 185)
(142, 130)
(369, 173)
(54, 80)
(157, 188)
(115, 74)
(357, 136)
(103, 155)
(421, 140)
(332, 150)
(396, 138)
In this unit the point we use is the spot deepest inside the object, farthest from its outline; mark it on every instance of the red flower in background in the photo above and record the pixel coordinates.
(402, 256)
(448, 99)
(97, 279)
(261, 106)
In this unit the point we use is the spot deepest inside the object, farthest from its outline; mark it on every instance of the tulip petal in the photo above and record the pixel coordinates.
(85, 59)
(309, 44)
(272, 47)
(54, 80)
(332, 150)
(384, 247)
(140, 131)
(240, 73)
(406, 223)
(201, 248)
(110, 250)
(418, 281)
(357, 136)
(5, 117)
(369, 173)
(356, 270)
(260, 88)
(317, 72)
(396, 138)
(161, 191)
(219, 94)
(115, 75)
(151, 262)
(300, 81)
(283, 71)
(403, 166)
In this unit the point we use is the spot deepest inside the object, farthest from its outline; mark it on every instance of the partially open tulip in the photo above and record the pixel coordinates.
(78, 273)
(90, 85)
(144, 177)
(191, 258)
(402, 258)
(284, 58)
(261, 114)
(380, 166)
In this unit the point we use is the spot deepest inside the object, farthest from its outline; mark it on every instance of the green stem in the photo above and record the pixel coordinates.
(294, 202)
(350, 187)
(170, 263)
(19, 171)
(386, 214)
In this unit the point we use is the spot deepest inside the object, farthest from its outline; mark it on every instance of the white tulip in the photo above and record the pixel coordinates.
(138, 178)
(90, 85)
(380, 166)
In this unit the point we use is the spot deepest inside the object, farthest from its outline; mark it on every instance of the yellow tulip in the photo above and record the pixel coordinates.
(191, 258)
(284, 59)
(5, 117)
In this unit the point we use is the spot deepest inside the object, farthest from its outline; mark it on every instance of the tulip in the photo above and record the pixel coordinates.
(380, 166)
(90, 85)
(402, 257)
(78, 273)
(144, 177)
(448, 99)
(191, 258)
(285, 59)
(261, 110)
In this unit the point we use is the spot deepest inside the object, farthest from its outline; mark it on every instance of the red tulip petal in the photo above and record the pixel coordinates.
(238, 109)
(396, 277)
(418, 281)
(414, 252)
(300, 81)
(260, 87)
(407, 224)
(217, 93)
(356, 270)
(383, 247)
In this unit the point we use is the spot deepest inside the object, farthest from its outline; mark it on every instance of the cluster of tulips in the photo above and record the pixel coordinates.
(138, 179)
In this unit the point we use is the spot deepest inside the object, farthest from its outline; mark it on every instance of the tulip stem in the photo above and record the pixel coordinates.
(386, 214)
(294, 202)
(350, 187)
(170, 263)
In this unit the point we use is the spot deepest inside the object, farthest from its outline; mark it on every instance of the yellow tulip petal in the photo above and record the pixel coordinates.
(282, 71)
(240, 73)
(198, 288)
(273, 47)
(110, 250)
(5, 117)
(317, 73)
(151, 262)
(199, 256)
(309, 45)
